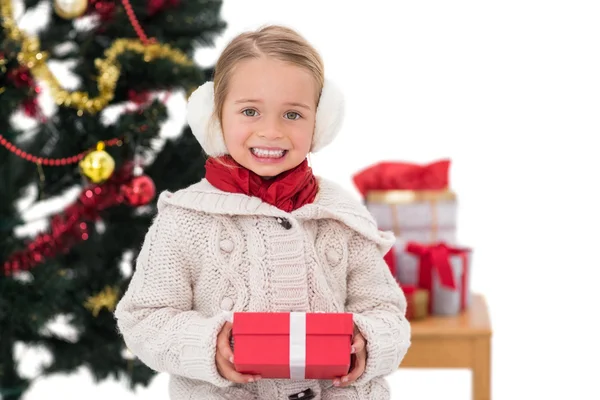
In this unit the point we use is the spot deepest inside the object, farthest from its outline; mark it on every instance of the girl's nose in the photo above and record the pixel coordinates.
(271, 130)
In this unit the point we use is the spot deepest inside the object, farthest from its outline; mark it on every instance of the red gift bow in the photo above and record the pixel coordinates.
(403, 176)
(437, 257)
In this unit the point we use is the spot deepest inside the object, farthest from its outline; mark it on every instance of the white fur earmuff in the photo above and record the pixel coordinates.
(207, 130)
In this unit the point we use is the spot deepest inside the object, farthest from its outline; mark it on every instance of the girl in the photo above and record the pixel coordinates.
(262, 233)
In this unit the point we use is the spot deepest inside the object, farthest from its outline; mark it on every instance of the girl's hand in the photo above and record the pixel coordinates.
(224, 358)
(358, 361)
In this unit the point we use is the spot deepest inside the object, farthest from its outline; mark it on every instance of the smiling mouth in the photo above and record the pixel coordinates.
(268, 153)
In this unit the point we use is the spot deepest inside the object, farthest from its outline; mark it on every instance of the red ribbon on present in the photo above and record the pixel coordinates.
(390, 260)
(436, 257)
(403, 176)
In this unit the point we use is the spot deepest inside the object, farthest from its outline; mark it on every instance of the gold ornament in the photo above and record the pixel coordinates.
(97, 165)
(70, 9)
(109, 69)
(105, 299)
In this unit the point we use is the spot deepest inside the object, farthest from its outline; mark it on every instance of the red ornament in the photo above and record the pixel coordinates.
(31, 107)
(138, 98)
(156, 6)
(21, 77)
(140, 191)
(104, 8)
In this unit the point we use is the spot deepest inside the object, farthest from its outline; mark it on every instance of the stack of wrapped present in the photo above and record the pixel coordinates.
(416, 203)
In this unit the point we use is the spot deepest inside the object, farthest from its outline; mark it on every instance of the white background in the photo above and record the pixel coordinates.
(510, 91)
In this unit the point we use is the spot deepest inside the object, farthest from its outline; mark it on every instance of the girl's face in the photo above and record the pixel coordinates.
(268, 115)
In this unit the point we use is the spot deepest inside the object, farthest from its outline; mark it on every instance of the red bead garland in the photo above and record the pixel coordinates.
(136, 24)
(51, 161)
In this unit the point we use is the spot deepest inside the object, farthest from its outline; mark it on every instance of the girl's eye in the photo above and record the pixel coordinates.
(249, 112)
(292, 115)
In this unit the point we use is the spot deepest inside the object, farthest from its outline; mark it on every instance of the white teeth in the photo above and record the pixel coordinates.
(267, 153)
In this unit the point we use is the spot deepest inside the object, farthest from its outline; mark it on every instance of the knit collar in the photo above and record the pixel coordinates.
(332, 202)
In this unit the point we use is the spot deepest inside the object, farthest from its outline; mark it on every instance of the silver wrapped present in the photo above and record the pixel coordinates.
(442, 269)
(412, 200)
(415, 215)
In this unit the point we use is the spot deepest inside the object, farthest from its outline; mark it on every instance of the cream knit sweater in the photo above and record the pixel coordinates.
(209, 253)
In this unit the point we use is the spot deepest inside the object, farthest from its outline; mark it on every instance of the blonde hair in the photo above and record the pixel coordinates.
(275, 41)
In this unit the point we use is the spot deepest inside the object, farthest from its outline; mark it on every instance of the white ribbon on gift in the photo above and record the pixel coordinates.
(297, 345)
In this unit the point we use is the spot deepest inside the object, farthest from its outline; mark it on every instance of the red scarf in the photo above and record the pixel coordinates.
(287, 191)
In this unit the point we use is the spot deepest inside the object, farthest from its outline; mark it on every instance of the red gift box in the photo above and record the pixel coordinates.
(292, 345)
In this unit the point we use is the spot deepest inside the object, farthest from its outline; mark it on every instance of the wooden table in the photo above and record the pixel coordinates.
(462, 341)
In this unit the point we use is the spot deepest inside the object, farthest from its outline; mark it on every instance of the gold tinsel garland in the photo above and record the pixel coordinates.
(108, 68)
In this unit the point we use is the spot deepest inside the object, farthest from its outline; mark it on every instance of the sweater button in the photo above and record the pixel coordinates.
(307, 394)
(226, 304)
(284, 222)
(226, 245)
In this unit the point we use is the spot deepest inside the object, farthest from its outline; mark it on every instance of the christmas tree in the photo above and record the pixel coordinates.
(129, 56)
